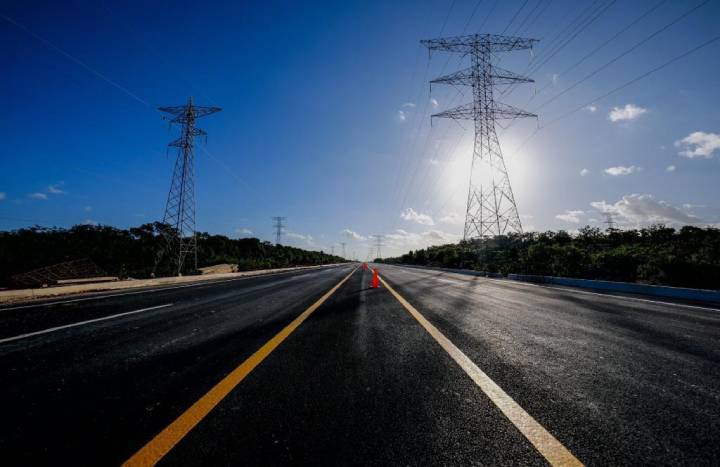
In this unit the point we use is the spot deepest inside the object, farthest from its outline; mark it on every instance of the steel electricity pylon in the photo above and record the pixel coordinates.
(179, 217)
(279, 227)
(378, 244)
(491, 207)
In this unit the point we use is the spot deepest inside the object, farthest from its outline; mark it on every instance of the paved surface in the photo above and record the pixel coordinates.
(360, 381)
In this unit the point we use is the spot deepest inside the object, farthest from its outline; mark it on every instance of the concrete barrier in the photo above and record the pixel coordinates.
(624, 287)
(468, 272)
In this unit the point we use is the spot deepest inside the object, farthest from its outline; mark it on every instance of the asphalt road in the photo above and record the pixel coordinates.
(359, 379)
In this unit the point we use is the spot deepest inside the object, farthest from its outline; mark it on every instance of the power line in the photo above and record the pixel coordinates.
(615, 90)
(77, 61)
(512, 20)
(623, 54)
(534, 20)
(579, 29)
(635, 80)
(601, 46)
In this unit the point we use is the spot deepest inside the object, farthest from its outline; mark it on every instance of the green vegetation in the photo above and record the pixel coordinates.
(689, 257)
(132, 252)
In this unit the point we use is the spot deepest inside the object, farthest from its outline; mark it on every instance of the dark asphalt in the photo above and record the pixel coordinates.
(616, 381)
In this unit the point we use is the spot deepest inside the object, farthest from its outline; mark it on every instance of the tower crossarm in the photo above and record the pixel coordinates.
(470, 112)
(468, 77)
(185, 113)
(475, 42)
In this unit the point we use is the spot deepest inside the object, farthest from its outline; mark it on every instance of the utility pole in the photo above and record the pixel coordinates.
(332, 250)
(378, 244)
(179, 218)
(279, 227)
(491, 208)
(343, 249)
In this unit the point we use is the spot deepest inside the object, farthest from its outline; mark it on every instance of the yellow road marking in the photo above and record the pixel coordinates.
(550, 448)
(164, 441)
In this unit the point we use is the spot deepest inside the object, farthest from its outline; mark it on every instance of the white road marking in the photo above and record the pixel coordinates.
(81, 323)
(135, 292)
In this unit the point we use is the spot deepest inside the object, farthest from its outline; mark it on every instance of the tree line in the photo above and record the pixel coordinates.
(685, 257)
(132, 252)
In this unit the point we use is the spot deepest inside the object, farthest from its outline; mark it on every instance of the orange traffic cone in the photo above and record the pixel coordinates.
(375, 280)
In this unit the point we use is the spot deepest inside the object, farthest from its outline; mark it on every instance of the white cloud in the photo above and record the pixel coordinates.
(55, 190)
(87, 208)
(670, 168)
(570, 216)
(621, 170)
(352, 234)
(693, 206)
(401, 116)
(584, 172)
(699, 144)
(403, 240)
(629, 112)
(2, 195)
(411, 215)
(38, 196)
(645, 209)
(305, 238)
(434, 161)
(90, 222)
(591, 108)
(555, 78)
(243, 231)
(410, 105)
(452, 218)
(434, 103)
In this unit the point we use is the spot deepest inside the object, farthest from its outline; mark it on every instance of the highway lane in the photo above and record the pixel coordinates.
(360, 381)
(18, 319)
(93, 394)
(618, 381)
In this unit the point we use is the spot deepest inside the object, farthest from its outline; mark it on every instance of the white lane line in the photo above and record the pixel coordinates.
(546, 444)
(510, 282)
(135, 292)
(81, 323)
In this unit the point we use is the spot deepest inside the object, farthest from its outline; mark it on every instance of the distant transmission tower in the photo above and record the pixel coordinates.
(343, 249)
(279, 226)
(491, 207)
(378, 244)
(610, 221)
(179, 218)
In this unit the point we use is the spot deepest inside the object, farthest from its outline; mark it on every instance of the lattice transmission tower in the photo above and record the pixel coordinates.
(378, 244)
(491, 207)
(179, 218)
(279, 228)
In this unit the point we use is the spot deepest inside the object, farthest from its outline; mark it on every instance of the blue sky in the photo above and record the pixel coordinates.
(326, 116)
